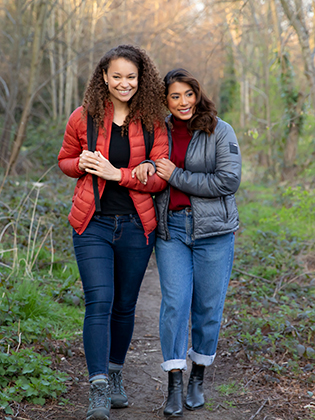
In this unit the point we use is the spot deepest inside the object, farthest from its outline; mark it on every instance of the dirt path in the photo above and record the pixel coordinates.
(146, 383)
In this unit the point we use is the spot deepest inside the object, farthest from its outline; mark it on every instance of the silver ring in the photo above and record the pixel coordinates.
(96, 162)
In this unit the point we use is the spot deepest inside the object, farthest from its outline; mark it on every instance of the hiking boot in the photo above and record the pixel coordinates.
(118, 396)
(99, 401)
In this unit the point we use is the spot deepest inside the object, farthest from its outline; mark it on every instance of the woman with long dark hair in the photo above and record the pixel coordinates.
(113, 244)
(197, 218)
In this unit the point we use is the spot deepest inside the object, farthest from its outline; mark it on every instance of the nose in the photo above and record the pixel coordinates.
(124, 83)
(183, 100)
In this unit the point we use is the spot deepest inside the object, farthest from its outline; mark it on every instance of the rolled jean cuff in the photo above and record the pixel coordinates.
(200, 359)
(98, 377)
(174, 364)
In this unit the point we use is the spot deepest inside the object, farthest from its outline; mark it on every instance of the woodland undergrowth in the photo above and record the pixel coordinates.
(269, 316)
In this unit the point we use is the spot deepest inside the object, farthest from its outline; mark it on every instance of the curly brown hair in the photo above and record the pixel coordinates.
(148, 103)
(205, 115)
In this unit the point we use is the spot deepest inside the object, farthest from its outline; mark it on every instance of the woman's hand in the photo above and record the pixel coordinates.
(95, 163)
(142, 172)
(164, 168)
(87, 160)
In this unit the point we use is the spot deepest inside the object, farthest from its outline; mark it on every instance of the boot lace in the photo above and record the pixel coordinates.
(99, 395)
(116, 383)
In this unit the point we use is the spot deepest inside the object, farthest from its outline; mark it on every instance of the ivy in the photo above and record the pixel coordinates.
(28, 375)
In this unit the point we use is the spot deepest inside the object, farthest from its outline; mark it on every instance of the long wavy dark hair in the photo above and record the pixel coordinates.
(147, 104)
(205, 115)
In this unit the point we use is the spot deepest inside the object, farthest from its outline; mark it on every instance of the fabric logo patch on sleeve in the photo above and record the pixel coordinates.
(233, 148)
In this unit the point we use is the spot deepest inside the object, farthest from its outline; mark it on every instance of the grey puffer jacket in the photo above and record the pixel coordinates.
(211, 176)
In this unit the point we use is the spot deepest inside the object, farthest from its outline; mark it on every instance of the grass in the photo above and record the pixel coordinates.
(229, 388)
(41, 298)
(269, 316)
(270, 308)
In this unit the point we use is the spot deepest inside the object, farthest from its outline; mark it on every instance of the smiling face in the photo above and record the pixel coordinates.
(181, 100)
(122, 80)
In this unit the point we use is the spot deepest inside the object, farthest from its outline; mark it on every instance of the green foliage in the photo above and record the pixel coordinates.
(41, 297)
(210, 405)
(270, 301)
(229, 87)
(43, 142)
(290, 95)
(27, 375)
(229, 388)
(33, 311)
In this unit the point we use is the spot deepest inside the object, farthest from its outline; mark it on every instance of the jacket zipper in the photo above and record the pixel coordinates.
(225, 211)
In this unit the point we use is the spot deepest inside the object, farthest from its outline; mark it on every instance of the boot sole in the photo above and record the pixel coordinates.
(98, 415)
(92, 417)
(193, 408)
(124, 405)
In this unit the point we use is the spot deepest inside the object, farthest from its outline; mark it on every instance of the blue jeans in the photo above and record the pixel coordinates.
(112, 256)
(194, 276)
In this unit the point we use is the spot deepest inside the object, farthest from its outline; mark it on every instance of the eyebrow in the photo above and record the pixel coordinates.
(130, 74)
(177, 93)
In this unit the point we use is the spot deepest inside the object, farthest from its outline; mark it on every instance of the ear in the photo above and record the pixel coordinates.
(105, 77)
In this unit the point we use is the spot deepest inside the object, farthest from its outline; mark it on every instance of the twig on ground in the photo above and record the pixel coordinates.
(256, 401)
(259, 410)
(220, 405)
(251, 275)
(296, 277)
(164, 400)
(260, 370)
(211, 388)
(152, 377)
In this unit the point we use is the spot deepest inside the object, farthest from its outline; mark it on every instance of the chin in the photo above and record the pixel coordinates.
(184, 117)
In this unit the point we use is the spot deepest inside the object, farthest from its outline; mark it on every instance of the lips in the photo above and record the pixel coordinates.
(184, 111)
(124, 92)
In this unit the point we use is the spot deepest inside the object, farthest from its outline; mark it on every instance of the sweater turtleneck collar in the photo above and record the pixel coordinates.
(179, 125)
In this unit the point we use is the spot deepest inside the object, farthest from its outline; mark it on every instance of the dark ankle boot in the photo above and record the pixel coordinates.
(195, 398)
(174, 405)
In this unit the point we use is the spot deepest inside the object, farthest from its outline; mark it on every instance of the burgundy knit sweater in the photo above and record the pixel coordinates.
(181, 139)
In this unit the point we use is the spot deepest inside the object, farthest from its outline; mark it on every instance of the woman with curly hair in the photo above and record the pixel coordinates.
(113, 243)
(197, 218)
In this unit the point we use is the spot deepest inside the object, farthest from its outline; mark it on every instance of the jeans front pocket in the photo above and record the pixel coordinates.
(135, 219)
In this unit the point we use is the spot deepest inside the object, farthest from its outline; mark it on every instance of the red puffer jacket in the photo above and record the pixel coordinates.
(83, 204)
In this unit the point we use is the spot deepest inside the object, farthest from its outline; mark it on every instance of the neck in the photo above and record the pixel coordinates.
(121, 110)
(179, 123)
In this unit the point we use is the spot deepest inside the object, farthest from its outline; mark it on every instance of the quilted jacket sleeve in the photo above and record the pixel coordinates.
(68, 158)
(226, 177)
(155, 183)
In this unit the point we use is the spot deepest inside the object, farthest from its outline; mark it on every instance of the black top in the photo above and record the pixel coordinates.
(116, 199)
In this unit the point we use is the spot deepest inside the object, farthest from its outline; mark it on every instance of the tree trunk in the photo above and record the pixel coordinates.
(69, 72)
(60, 63)
(77, 42)
(293, 136)
(9, 117)
(297, 20)
(266, 70)
(34, 70)
(92, 37)
(51, 52)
